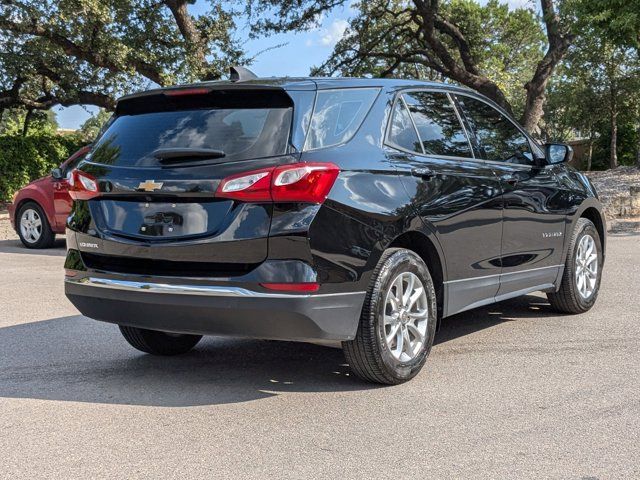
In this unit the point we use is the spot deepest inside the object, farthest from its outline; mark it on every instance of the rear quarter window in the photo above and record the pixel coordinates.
(337, 115)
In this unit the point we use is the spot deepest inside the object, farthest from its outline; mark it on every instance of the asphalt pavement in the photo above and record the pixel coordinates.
(512, 390)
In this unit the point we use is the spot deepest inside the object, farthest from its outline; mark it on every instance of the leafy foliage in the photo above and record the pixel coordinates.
(90, 129)
(25, 158)
(91, 51)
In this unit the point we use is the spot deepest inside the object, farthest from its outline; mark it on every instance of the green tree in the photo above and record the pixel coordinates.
(501, 53)
(595, 97)
(617, 20)
(91, 51)
(92, 126)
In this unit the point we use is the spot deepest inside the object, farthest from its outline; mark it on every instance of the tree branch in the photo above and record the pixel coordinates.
(71, 48)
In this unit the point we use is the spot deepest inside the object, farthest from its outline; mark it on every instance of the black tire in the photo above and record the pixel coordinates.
(568, 298)
(368, 354)
(47, 237)
(159, 343)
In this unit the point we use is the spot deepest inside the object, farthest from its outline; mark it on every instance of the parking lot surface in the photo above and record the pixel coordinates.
(512, 390)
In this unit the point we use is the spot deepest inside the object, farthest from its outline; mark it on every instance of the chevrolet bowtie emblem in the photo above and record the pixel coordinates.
(150, 185)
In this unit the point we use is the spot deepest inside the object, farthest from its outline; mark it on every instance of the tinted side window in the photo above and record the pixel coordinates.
(500, 140)
(438, 124)
(337, 115)
(402, 132)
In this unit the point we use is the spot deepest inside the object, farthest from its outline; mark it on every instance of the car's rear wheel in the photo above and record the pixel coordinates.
(398, 321)
(582, 271)
(33, 227)
(159, 343)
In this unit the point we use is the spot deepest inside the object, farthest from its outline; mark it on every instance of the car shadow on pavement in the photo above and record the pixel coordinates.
(15, 246)
(77, 359)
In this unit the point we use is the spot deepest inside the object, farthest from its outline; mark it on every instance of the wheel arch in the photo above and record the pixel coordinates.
(32, 196)
(592, 214)
(592, 210)
(421, 244)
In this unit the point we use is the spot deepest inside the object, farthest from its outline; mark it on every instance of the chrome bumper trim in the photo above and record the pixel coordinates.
(212, 290)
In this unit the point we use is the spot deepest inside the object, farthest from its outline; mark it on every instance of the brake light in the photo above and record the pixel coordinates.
(82, 186)
(299, 182)
(292, 287)
(186, 91)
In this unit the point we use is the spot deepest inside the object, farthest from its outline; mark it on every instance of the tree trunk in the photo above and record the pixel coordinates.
(613, 156)
(533, 110)
(190, 33)
(638, 146)
(27, 122)
(559, 43)
(590, 153)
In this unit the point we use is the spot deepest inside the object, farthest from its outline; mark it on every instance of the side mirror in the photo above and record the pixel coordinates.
(558, 153)
(56, 173)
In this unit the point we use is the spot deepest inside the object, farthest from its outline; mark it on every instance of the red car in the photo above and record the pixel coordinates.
(40, 209)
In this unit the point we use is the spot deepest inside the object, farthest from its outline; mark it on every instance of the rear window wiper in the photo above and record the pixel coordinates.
(171, 155)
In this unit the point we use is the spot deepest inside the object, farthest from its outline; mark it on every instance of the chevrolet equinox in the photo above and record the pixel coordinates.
(360, 211)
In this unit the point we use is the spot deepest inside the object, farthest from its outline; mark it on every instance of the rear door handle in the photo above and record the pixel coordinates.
(423, 172)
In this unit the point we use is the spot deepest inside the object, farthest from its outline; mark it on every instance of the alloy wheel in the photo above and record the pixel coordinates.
(31, 225)
(406, 317)
(586, 266)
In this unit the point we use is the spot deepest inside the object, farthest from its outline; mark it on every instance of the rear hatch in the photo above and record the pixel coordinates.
(158, 165)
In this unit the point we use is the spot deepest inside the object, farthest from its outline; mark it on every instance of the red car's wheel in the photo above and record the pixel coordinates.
(33, 227)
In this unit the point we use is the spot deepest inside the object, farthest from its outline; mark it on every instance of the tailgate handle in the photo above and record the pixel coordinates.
(423, 172)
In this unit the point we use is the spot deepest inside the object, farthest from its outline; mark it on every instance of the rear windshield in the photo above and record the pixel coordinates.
(241, 133)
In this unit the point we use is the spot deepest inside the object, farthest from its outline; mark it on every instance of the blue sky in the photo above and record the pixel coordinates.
(300, 52)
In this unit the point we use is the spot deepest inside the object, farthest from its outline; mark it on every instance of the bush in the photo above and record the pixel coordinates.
(23, 159)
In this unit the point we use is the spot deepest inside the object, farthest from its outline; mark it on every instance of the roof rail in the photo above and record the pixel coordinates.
(240, 74)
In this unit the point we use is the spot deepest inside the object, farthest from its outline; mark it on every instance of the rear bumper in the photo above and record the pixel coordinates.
(217, 310)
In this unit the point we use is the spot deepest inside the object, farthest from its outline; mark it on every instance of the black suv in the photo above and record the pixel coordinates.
(360, 211)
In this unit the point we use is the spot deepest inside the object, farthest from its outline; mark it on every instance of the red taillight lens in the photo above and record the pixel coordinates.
(303, 182)
(299, 182)
(292, 287)
(82, 186)
(254, 186)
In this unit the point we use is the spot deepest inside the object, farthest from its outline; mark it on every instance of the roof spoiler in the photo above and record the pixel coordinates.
(240, 74)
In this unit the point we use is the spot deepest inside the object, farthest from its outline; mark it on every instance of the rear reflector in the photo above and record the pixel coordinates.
(292, 287)
(298, 182)
(82, 186)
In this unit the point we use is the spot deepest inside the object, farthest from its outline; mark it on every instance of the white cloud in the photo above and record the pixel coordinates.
(328, 37)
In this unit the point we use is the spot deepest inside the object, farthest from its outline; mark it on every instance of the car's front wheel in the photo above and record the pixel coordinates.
(159, 343)
(33, 227)
(398, 321)
(582, 271)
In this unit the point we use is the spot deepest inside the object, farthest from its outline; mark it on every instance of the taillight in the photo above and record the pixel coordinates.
(82, 186)
(303, 182)
(180, 92)
(254, 186)
(299, 182)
